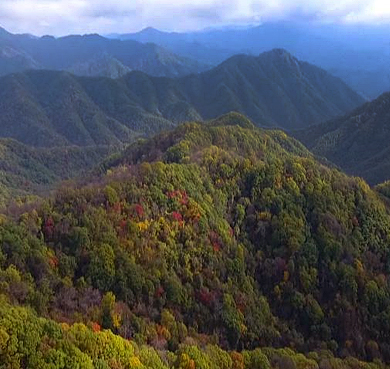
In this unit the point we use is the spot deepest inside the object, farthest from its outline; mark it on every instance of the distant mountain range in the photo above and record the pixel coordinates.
(360, 55)
(357, 142)
(90, 55)
(48, 108)
(192, 45)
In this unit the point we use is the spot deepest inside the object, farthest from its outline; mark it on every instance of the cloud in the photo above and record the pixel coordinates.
(85, 16)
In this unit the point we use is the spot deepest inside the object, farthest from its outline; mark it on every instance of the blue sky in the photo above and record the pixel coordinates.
(60, 17)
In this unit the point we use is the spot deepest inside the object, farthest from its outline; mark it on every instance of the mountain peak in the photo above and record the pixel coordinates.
(233, 119)
(280, 53)
(150, 31)
(274, 54)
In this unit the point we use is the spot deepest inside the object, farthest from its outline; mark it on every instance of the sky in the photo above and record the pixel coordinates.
(61, 17)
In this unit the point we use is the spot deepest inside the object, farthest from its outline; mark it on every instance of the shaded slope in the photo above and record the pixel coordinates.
(274, 89)
(357, 142)
(51, 108)
(54, 108)
(105, 66)
(25, 170)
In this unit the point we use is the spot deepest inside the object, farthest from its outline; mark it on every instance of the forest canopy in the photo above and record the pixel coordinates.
(215, 245)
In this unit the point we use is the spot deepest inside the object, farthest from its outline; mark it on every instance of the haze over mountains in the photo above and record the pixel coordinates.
(359, 54)
(47, 108)
(90, 55)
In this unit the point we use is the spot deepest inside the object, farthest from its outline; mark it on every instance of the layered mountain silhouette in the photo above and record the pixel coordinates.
(357, 142)
(358, 54)
(190, 45)
(49, 108)
(90, 55)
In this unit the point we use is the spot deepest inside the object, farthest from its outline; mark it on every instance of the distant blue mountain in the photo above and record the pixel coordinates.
(90, 55)
(360, 55)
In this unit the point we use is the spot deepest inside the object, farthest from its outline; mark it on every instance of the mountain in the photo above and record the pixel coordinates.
(90, 55)
(215, 245)
(13, 60)
(273, 89)
(183, 44)
(42, 108)
(358, 54)
(357, 142)
(48, 108)
(105, 66)
(26, 171)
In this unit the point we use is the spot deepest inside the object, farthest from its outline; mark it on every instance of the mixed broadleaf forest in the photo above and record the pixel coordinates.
(217, 199)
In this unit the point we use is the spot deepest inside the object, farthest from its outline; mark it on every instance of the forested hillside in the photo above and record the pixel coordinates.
(357, 142)
(274, 89)
(49, 108)
(212, 234)
(28, 171)
(45, 108)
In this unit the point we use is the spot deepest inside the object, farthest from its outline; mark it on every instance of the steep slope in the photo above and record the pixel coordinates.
(105, 66)
(13, 61)
(21, 52)
(275, 89)
(26, 171)
(217, 232)
(51, 109)
(357, 142)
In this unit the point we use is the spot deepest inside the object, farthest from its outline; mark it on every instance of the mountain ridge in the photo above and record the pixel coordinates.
(318, 44)
(68, 52)
(26, 171)
(273, 89)
(356, 142)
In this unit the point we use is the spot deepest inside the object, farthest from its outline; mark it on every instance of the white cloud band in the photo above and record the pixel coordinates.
(85, 16)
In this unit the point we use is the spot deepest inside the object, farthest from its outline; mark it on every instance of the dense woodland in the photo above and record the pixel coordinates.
(358, 142)
(25, 170)
(216, 245)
